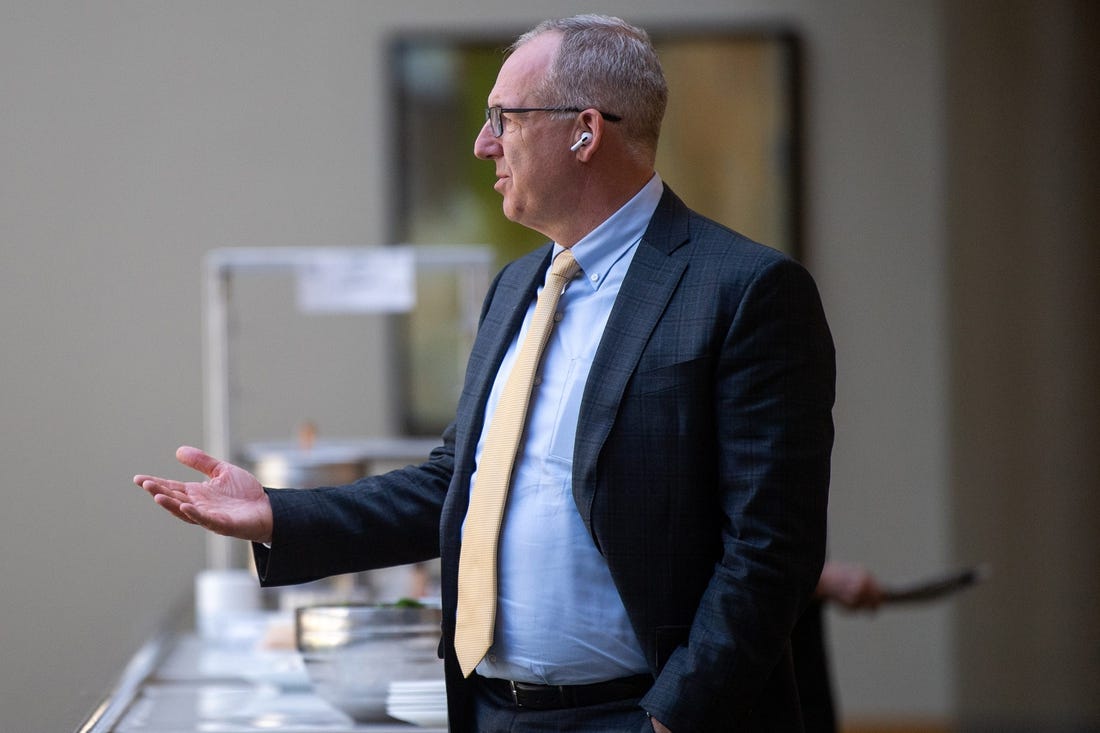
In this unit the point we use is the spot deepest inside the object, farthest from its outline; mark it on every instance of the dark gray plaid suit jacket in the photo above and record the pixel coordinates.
(701, 469)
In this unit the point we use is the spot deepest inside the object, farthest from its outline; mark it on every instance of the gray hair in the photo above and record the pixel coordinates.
(608, 64)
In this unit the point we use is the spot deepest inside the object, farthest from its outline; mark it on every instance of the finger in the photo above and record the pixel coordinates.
(174, 507)
(197, 459)
(154, 486)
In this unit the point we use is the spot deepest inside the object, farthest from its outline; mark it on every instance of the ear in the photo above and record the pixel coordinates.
(590, 127)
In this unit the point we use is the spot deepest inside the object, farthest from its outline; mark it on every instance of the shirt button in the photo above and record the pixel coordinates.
(558, 316)
(493, 658)
(537, 380)
(594, 276)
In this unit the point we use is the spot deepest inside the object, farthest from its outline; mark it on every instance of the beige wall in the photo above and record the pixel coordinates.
(134, 136)
(1025, 275)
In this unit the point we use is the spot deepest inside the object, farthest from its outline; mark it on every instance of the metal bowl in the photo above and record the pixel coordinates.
(353, 652)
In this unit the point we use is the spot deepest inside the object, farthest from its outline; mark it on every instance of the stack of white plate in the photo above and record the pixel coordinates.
(420, 702)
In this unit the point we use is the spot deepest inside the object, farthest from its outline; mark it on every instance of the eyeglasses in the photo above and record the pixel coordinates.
(496, 122)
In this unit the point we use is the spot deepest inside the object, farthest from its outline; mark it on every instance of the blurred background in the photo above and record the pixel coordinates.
(947, 181)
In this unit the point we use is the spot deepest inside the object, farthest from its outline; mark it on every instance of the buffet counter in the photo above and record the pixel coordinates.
(179, 682)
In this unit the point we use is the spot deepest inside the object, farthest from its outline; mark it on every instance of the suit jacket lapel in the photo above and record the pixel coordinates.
(505, 308)
(508, 306)
(643, 297)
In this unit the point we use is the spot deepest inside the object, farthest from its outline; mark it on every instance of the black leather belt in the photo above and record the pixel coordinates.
(553, 697)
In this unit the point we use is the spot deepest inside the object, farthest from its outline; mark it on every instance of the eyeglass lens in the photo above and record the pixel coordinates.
(495, 122)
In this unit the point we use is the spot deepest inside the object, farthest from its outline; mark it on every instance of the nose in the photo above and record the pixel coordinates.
(486, 144)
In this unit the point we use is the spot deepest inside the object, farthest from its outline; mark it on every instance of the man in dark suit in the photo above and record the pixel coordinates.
(665, 522)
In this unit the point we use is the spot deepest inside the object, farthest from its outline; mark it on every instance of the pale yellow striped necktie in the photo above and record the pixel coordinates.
(477, 566)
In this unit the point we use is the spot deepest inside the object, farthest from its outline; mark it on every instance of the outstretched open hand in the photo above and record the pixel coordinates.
(230, 502)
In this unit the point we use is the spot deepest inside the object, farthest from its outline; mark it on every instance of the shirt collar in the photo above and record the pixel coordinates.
(605, 245)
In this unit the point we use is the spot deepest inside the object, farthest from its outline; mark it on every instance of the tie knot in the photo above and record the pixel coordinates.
(564, 265)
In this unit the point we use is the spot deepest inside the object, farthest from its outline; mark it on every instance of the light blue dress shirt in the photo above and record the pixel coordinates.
(559, 618)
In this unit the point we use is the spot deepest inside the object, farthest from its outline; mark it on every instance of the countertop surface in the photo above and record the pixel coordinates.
(182, 683)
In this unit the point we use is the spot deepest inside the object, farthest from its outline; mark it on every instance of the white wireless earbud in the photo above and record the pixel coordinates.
(585, 138)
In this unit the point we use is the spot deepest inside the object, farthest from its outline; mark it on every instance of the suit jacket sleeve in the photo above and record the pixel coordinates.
(379, 521)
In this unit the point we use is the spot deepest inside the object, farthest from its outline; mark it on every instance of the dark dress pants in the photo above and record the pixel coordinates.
(494, 713)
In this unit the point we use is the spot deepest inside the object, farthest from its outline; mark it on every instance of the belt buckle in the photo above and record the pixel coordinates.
(515, 693)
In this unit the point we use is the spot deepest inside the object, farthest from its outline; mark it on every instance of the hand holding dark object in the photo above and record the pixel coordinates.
(230, 502)
(850, 585)
(855, 588)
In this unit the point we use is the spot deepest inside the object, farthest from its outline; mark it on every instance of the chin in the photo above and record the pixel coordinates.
(511, 213)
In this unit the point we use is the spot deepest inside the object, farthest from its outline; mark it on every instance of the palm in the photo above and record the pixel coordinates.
(231, 492)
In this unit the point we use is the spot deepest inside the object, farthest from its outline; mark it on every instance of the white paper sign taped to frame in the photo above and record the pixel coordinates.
(361, 280)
